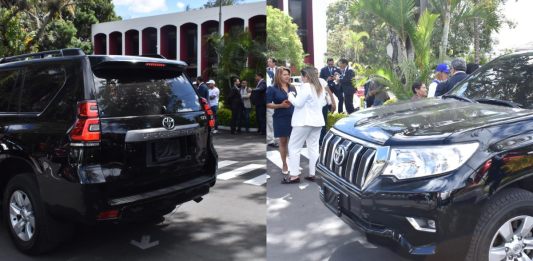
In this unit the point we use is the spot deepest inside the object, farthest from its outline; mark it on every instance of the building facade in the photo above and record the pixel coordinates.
(179, 36)
(310, 16)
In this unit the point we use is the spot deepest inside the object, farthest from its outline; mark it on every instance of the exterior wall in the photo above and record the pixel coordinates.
(196, 17)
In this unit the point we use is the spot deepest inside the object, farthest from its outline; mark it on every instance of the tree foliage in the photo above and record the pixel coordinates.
(51, 24)
(215, 3)
(283, 42)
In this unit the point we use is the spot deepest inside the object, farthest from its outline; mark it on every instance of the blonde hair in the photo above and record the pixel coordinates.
(278, 79)
(312, 76)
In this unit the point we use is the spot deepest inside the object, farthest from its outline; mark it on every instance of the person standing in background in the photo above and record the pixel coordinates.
(203, 91)
(419, 90)
(245, 92)
(441, 75)
(271, 74)
(330, 105)
(258, 98)
(328, 74)
(458, 74)
(235, 103)
(214, 95)
(345, 78)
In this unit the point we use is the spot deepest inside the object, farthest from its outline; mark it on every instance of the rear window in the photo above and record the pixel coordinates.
(147, 92)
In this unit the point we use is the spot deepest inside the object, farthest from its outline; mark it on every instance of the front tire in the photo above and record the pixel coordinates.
(505, 229)
(31, 228)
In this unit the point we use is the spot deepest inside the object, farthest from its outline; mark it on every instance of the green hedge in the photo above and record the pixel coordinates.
(224, 117)
(332, 118)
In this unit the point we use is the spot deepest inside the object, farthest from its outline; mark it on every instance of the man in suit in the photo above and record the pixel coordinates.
(236, 105)
(328, 73)
(271, 71)
(346, 75)
(202, 88)
(260, 102)
(458, 72)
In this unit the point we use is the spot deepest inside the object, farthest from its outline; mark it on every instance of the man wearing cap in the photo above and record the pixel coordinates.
(214, 95)
(458, 73)
(441, 75)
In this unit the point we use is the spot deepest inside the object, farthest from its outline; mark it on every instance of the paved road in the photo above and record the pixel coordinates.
(229, 224)
(299, 227)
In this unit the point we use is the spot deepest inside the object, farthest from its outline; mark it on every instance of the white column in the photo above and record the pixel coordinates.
(178, 42)
(158, 42)
(246, 21)
(140, 41)
(123, 36)
(199, 51)
(108, 41)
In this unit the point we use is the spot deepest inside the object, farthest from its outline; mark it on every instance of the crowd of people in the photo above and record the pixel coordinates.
(240, 100)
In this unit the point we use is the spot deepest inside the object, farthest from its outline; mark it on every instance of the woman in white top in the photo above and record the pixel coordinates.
(306, 124)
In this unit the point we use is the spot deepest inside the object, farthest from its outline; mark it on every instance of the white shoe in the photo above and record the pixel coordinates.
(215, 131)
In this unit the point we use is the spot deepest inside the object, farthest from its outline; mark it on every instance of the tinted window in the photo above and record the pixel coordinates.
(8, 91)
(509, 78)
(149, 95)
(41, 83)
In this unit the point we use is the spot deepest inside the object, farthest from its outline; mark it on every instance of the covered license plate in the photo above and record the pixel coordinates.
(332, 199)
(166, 150)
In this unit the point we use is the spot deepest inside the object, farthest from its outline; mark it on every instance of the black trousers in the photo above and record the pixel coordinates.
(348, 98)
(340, 96)
(235, 117)
(260, 116)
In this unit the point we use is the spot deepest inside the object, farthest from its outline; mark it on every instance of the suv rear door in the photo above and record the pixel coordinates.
(154, 132)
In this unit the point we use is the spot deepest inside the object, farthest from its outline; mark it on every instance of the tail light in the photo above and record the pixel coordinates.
(208, 112)
(87, 126)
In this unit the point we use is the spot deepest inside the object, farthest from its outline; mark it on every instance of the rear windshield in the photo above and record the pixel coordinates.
(146, 92)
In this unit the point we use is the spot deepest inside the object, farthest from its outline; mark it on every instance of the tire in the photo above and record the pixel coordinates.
(512, 208)
(45, 233)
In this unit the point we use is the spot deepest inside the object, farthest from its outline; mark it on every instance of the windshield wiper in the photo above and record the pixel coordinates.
(500, 102)
(457, 97)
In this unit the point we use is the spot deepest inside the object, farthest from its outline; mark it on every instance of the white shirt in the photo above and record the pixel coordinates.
(245, 96)
(270, 81)
(307, 107)
(432, 88)
(214, 92)
(325, 86)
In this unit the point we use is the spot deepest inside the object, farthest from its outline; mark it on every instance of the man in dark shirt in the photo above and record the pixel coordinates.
(202, 88)
(458, 74)
(328, 73)
(345, 84)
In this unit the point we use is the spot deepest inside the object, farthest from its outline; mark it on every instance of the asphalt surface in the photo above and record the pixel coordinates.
(300, 227)
(229, 224)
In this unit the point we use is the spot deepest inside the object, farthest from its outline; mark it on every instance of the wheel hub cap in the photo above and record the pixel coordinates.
(21, 216)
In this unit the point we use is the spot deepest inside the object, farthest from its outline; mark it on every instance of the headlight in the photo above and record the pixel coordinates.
(415, 162)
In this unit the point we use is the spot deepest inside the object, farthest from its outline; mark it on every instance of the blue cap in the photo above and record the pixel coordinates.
(442, 68)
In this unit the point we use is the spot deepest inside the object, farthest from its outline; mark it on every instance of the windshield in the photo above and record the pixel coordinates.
(507, 79)
(146, 93)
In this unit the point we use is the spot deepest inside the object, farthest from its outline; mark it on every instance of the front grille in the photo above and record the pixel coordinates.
(357, 161)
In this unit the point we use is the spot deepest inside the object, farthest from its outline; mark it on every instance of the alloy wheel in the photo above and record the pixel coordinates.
(21, 215)
(513, 240)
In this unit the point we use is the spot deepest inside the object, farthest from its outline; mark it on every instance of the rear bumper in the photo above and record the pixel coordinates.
(84, 202)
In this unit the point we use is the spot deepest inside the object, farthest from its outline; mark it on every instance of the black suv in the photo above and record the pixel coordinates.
(448, 177)
(87, 138)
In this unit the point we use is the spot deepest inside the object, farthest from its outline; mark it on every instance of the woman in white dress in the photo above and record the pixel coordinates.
(306, 124)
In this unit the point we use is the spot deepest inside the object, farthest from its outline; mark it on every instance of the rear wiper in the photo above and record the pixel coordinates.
(500, 102)
(457, 97)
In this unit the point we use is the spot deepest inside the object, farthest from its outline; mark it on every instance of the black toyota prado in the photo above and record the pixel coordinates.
(449, 177)
(92, 139)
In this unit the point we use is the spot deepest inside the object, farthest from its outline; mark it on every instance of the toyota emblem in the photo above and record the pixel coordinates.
(339, 155)
(168, 123)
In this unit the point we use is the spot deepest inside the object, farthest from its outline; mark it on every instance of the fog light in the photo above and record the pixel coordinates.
(422, 224)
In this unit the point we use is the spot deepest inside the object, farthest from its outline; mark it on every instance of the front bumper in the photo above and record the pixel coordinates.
(384, 212)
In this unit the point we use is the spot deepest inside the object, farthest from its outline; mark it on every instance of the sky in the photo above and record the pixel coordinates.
(520, 13)
(128, 9)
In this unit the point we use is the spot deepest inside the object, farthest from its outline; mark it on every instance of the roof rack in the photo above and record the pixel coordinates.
(42, 55)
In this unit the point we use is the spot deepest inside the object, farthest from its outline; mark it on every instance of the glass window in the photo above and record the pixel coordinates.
(41, 84)
(506, 79)
(153, 93)
(8, 91)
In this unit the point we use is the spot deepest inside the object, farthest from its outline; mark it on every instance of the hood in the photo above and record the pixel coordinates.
(425, 120)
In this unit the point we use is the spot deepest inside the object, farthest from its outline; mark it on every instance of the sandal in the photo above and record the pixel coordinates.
(285, 172)
(288, 180)
(311, 178)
